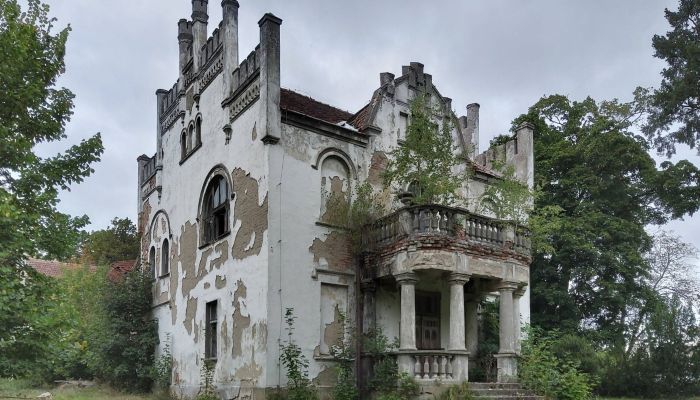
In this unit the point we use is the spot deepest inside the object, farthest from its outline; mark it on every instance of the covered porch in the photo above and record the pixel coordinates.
(427, 282)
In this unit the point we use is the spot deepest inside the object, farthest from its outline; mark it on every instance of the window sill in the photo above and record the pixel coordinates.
(164, 276)
(215, 241)
(197, 147)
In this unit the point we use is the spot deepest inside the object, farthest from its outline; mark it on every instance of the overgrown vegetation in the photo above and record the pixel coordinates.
(299, 386)
(427, 160)
(548, 374)
(207, 390)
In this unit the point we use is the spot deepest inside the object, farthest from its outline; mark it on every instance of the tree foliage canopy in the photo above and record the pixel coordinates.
(33, 111)
(426, 159)
(675, 105)
(118, 242)
(598, 173)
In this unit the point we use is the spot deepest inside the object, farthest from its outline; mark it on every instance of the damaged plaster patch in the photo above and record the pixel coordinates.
(222, 249)
(333, 333)
(334, 253)
(336, 205)
(225, 338)
(253, 216)
(220, 282)
(190, 313)
(377, 167)
(188, 253)
(249, 373)
(143, 220)
(240, 322)
(327, 377)
(174, 280)
(254, 134)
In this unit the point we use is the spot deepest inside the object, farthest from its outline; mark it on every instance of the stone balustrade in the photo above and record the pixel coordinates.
(457, 223)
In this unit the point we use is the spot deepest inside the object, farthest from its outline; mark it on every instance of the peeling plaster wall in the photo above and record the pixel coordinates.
(233, 270)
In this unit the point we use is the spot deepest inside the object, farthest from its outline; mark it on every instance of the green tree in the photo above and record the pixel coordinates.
(118, 242)
(33, 111)
(600, 176)
(427, 158)
(675, 105)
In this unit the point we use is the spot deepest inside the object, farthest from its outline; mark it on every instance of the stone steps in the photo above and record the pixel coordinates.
(502, 391)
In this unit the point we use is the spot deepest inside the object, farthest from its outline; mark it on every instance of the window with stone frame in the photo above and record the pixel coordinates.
(210, 331)
(198, 131)
(183, 144)
(152, 262)
(215, 209)
(165, 258)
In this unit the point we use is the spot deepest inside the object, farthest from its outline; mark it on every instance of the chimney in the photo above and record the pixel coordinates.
(184, 38)
(385, 77)
(472, 127)
(270, 118)
(200, 17)
(230, 40)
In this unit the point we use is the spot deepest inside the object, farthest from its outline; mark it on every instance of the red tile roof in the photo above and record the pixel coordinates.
(293, 101)
(119, 268)
(52, 268)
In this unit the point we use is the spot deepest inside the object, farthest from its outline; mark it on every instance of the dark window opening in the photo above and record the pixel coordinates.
(164, 261)
(216, 209)
(152, 262)
(198, 131)
(183, 145)
(210, 350)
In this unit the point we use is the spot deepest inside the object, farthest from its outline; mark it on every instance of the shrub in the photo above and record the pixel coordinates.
(457, 392)
(207, 388)
(542, 371)
(299, 385)
(344, 354)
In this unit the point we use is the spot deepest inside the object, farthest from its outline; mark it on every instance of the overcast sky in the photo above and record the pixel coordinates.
(504, 55)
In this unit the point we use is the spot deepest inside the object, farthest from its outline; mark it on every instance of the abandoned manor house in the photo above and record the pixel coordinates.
(232, 220)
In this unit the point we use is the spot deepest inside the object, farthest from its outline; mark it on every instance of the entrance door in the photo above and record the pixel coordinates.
(427, 320)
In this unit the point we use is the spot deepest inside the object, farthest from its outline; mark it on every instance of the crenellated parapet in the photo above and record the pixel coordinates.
(517, 152)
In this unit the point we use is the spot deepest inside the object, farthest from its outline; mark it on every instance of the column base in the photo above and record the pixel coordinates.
(507, 364)
(460, 366)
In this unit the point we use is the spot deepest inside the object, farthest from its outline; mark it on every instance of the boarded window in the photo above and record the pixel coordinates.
(210, 334)
(334, 307)
(403, 126)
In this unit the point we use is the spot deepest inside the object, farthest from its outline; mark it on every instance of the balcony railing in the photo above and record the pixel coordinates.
(442, 220)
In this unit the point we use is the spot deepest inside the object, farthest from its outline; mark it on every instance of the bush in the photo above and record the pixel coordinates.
(299, 387)
(542, 371)
(457, 392)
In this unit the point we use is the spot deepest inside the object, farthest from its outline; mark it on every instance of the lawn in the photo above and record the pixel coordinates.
(18, 389)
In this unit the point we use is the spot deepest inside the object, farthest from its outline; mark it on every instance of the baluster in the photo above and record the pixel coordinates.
(417, 369)
(435, 367)
(435, 214)
(443, 222)
(416, 220)
(443, 365)
(471, 230)
(449, 367)
(426, 368)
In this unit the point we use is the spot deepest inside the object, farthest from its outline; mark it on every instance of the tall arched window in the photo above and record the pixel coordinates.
(335, 190)
(183, 145)
(152, 261)
(165, 258)
(190, 137)
(215, 209)
(198, 130)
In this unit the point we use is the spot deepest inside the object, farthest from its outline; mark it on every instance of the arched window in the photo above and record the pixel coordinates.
(165, 258)
(335, 190)
(190, 137)
(183, 145)
(215, 209)
(198, 131)
(152, 261)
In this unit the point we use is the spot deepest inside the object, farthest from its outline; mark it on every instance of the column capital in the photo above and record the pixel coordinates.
(458, 278)
(507, 286)
(520, 291)
(406, 278)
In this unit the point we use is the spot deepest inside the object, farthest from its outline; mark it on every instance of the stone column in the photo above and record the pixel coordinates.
(460, 363)
(516, 318)
(369, 309)
(506, 357)
(407, 330)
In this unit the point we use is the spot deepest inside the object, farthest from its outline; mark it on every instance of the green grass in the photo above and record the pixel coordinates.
(23, 390)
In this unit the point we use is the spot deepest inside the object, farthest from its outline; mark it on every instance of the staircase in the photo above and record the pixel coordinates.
(502, 391)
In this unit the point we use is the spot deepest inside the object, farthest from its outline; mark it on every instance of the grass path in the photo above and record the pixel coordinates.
(17, 389)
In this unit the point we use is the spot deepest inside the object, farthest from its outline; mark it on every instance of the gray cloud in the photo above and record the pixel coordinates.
(502, 54)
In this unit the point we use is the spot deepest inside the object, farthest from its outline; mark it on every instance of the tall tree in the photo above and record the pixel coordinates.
(105, 246)
(600, 175)
(33, 111)
(675, 105)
